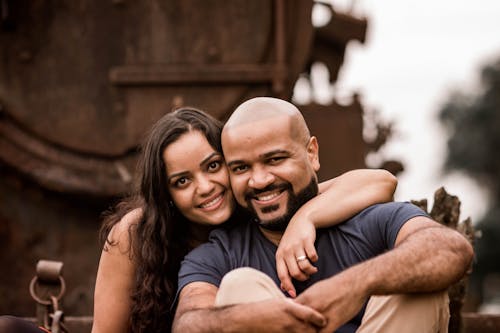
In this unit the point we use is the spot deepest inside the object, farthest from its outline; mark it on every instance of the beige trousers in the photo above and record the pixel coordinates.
(415, 313)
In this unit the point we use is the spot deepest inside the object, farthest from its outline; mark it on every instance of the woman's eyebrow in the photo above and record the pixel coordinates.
(209, 157)
(204, 161)
(178, 174)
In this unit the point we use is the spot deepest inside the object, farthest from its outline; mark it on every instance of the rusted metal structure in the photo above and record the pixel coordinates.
(81, 81)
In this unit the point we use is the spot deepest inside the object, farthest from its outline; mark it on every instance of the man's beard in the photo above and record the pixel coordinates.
(295, 201)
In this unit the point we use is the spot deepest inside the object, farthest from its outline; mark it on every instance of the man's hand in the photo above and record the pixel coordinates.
(336, 298)
(286, 315)
(297, 242)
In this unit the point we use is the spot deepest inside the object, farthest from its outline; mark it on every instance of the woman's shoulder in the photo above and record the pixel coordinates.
(119, 235)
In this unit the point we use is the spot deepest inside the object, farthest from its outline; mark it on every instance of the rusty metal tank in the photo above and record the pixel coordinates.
(82, 81)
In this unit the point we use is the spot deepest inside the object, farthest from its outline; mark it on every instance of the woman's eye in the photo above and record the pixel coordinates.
(181, 182)
(214, 166)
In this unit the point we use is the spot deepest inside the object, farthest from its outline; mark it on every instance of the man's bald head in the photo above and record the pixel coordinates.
(272, 160)
(260, 109)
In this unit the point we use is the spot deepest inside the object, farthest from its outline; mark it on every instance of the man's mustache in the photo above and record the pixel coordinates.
(250, 194)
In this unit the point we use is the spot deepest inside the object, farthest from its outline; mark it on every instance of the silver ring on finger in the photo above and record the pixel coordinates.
(301, 258)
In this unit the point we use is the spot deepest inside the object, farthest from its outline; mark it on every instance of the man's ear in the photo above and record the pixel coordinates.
(313, 153)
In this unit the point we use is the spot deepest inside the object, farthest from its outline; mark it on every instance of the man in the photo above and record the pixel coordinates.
(390, 249)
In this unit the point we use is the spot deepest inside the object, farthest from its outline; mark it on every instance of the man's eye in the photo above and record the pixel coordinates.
(275, 160)
(214, 166)
(239, 169)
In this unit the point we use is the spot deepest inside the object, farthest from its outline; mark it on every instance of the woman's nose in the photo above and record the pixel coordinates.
(205, 185)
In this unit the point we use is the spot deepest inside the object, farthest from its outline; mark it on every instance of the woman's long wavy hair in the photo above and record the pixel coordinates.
(161, 238)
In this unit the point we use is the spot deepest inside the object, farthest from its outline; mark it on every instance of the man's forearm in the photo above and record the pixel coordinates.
(220, 319)
(428, 260)
(196, 312)
(273, 315)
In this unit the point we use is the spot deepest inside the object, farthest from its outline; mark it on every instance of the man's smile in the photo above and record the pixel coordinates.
(267, 198)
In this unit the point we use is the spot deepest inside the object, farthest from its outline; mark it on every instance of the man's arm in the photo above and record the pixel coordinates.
(340, 198)
(427, 257)
(196, 313)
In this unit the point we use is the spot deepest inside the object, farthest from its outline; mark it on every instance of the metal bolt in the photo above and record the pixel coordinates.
(119, 108)
(25, 56)
(177, 102)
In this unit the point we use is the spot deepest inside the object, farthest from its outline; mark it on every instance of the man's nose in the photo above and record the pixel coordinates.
(260, 178)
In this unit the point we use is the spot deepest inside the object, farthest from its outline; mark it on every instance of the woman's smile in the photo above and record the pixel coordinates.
(213, 203)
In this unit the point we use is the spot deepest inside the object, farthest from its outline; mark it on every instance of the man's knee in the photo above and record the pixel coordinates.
(415, 302)
(425, 312)
(244, 285)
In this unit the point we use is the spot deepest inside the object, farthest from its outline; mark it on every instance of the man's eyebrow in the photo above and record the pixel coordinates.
(262, 156)
(229, 164)
(274, 152)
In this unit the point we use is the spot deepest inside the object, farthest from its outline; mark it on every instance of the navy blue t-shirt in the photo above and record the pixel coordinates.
(364, 236)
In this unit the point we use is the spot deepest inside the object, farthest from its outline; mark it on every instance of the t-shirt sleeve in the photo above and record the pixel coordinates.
(381, 223)
(208, 262)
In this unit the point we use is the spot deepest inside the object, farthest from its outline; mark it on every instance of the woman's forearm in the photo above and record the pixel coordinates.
(348, 194)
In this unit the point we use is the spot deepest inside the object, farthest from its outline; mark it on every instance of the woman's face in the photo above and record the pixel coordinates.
(198, 180)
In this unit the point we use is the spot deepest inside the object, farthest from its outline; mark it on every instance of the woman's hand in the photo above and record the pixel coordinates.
(339, 199)
(296, 253)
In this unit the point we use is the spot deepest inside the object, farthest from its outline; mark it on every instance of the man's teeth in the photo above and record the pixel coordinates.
(212, 202)
(267, 197)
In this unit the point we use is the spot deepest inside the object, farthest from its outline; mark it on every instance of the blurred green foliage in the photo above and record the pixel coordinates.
(473, 123)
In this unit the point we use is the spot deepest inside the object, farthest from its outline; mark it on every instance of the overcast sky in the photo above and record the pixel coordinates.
(415, 54)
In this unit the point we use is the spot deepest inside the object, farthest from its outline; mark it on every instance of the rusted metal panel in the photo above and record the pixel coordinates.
(36, 223)
(481, 323)
(63, 170)
(79, 42)
(331, 40)
(187, 74)
(338, 129)
(85, 79)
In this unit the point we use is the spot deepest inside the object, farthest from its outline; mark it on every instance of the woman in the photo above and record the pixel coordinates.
(183, 193)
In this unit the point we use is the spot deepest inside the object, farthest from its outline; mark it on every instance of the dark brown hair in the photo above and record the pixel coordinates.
(161, 238)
